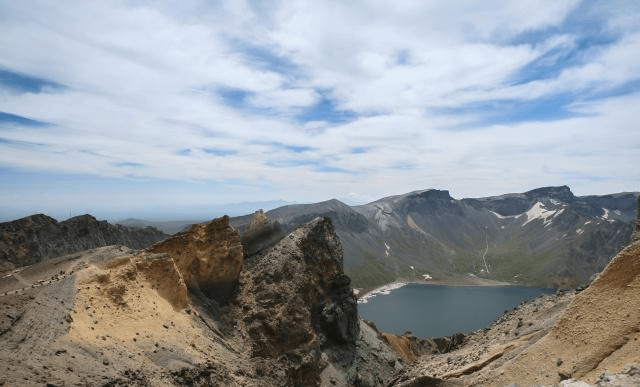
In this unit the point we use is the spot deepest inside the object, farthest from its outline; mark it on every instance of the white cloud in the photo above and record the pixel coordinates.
(143, 79)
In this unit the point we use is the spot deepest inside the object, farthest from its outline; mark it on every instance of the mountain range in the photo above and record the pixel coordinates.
(544, 237)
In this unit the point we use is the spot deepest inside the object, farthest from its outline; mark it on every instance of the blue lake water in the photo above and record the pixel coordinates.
(436, 310)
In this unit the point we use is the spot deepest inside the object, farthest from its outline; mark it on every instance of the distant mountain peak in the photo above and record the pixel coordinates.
(82, 218)
(562, 193)
(433, 194)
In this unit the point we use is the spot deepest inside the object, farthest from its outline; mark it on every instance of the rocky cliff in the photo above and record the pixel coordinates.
(209, 257)
(192, 310)
(32, 239)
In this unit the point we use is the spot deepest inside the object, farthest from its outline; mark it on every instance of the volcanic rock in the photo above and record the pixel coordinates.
(29, 240)
(294, 300)
(209, 256)
(118, 317)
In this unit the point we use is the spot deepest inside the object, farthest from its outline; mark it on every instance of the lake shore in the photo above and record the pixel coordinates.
(364, 294)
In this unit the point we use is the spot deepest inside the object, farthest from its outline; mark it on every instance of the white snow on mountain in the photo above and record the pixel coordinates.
(538, 211)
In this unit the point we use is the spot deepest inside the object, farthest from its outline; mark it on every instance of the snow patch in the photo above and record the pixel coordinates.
(385, 290)
(538, 211)
(606, 216)
(497, 215)
(579, 231)
(504, 216)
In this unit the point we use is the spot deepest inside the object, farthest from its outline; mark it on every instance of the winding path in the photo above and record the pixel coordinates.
(486, 236)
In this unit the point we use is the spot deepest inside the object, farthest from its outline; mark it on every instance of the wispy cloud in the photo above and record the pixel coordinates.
(16, 120)
(309, 100)
(22, 83)
(219, 151)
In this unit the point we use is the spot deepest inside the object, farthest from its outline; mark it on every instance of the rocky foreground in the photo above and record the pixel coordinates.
(196, 310)
(191, 310)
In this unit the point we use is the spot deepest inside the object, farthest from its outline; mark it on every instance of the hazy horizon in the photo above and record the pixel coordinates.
(204, 212)
(168, 107)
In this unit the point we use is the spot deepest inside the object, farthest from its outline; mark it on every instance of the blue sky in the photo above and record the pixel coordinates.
(170, 108)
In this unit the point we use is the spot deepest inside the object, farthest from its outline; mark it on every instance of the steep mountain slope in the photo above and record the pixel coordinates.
(29, 240)
(546, 237)
(571, 339)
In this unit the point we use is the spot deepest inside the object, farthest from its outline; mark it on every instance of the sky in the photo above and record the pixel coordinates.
(174, 108)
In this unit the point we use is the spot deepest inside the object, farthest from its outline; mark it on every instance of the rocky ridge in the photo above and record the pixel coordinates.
(164, 316)
(37, 237)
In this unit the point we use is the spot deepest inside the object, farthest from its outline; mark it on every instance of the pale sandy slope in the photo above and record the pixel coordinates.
(598, 333)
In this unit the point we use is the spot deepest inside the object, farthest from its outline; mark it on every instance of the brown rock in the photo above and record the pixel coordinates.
(209, 256)
(162, 270)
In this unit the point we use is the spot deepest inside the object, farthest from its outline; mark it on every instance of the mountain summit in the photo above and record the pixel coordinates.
(543, 237)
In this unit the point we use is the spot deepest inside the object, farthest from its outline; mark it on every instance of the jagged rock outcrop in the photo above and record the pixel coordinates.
(295, 301)
(117, 317)
(209, 256)
(29, 240)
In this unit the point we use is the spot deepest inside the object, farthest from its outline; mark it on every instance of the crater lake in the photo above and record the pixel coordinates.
(440, 310)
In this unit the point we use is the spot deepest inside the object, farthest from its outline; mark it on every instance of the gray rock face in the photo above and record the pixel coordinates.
(29, 240)
(294, 300)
